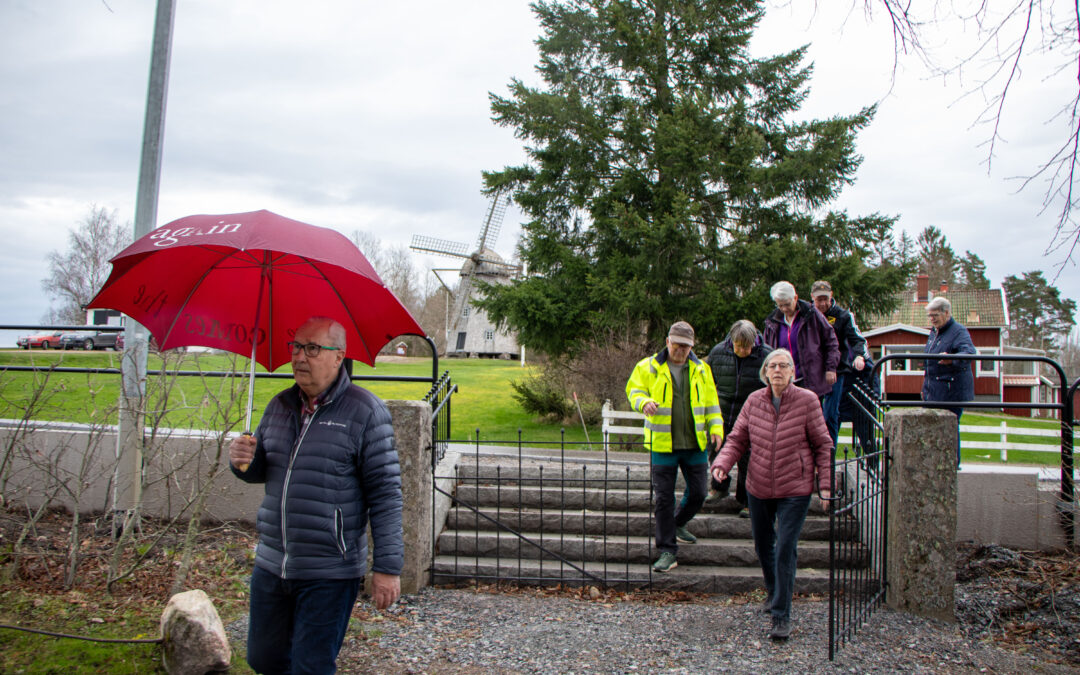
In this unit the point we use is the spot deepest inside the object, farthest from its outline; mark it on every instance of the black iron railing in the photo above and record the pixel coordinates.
(1066, 505)
(438, 397)
(860, 503)
(548, 514)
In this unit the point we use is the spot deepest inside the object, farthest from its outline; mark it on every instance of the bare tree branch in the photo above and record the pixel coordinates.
(1009, 34)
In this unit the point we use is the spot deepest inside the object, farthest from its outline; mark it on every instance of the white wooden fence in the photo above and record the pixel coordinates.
(1004, 444)
(624, 422)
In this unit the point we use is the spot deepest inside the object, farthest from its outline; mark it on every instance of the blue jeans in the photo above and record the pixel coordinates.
(298, 625)
(830, 407)
(777, 548)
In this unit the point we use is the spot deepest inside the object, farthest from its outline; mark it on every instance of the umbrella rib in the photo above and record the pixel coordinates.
(337, 293)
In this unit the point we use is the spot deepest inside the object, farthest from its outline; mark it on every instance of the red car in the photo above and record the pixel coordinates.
(40, 340)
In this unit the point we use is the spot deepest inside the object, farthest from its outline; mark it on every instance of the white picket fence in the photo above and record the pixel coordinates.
(1003, 444)
(624, 422)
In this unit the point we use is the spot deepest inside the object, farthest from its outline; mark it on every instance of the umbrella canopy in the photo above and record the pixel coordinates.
(244, 282)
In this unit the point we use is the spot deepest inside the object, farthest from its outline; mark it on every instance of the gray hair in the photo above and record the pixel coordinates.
(334, 330)
(743, 332)
(776, 353)
(782, 291)
(941, 304)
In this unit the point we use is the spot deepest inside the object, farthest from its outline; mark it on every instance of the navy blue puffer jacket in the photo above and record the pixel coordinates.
(952, 381)
(323, 486)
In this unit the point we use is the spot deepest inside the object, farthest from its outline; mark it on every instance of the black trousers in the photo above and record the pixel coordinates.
(666, 517)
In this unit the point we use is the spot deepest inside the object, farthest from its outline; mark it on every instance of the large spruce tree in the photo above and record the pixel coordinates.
(668, 177)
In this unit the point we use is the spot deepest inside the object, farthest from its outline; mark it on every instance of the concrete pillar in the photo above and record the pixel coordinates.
(922, 512)
(412, 432)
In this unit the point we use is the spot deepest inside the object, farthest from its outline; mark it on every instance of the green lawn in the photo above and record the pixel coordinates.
(483, 400)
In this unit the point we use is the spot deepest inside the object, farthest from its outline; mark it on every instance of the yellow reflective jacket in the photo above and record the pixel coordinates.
(651, 381)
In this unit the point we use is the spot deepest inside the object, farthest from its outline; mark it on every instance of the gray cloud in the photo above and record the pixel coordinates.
(375, 116)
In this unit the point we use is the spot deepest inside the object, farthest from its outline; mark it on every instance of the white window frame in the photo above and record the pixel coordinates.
(987, 368)
(489, 335)
(890, 368)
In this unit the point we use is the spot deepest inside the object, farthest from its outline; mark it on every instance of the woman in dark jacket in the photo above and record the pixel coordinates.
(736, 369)
(792, 456)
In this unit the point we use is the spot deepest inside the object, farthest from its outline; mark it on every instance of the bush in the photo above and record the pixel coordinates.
(598, 372)
(541, 395)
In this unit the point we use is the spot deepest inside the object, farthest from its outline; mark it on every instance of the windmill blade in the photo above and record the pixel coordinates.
(495, 262)
(493, 222)
(438, 246)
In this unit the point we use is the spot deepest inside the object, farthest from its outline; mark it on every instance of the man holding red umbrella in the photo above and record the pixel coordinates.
(325, 451)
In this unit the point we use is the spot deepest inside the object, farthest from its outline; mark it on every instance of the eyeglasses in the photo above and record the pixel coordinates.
(312, 350)
(933, 315)
(779, 366)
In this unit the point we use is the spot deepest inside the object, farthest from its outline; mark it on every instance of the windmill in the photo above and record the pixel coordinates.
(469, 331)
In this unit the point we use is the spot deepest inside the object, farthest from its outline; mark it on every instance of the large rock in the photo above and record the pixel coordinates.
(193, 639)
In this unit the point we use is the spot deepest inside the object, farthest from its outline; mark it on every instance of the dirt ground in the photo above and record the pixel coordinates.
(1021, 600)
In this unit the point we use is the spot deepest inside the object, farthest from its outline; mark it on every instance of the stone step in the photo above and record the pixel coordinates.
(615, 523)
(571, 498)
(633, 549)
(556, 474)
(696, 578)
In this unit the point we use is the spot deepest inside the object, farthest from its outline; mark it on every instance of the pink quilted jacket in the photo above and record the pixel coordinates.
(784, 448)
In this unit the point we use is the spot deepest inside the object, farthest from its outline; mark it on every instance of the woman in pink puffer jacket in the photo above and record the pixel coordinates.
(791, 456)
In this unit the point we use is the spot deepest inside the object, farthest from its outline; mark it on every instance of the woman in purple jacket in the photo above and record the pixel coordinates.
(791, 456)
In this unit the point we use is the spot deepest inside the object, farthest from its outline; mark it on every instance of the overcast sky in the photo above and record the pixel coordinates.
(375, 116)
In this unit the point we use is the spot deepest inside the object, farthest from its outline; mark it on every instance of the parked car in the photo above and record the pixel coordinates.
(40, 340)
(90, 341)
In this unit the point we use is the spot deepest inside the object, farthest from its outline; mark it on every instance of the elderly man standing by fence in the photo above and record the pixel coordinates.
(675, 392)
(948, 379)
(325, 450)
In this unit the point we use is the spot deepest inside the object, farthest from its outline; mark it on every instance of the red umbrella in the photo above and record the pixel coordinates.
(244, 282)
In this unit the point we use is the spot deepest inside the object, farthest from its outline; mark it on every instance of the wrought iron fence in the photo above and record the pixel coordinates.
(547, 515)
(860, 502)
(1067, 504)
(439, 397)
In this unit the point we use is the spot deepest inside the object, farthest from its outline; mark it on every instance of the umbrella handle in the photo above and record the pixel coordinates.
(244, 467)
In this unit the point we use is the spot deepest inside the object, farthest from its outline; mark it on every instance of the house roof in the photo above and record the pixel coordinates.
(974, 308)
(881, 330)
(1021, 380)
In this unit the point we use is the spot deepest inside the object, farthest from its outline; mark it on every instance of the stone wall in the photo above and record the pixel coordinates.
(178, 464)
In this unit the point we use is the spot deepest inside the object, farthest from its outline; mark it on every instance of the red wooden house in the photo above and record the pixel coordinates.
(906, 328)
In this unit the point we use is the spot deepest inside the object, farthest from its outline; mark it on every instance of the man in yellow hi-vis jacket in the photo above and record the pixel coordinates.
(675, 391)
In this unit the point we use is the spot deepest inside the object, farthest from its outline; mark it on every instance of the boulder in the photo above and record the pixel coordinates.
(193, 639)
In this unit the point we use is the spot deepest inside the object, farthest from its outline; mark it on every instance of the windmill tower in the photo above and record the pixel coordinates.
(469, 331)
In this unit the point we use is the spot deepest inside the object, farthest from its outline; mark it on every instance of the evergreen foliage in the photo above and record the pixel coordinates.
(668, 178)
(1038, 316)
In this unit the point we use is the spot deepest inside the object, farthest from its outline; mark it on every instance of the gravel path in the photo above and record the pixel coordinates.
(531, 631)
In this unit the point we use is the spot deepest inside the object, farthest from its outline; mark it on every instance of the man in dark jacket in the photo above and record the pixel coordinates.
(325, 450)
(802, 330)
(736, 365)
(853, 353)
(948, 379)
